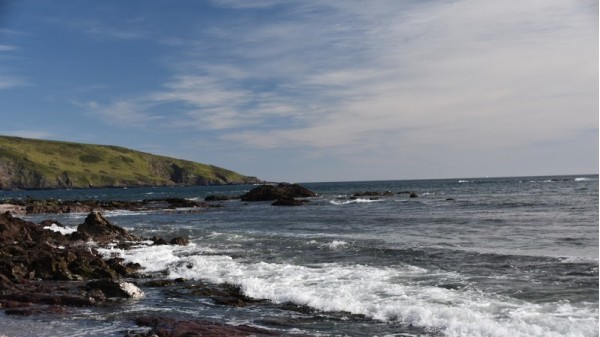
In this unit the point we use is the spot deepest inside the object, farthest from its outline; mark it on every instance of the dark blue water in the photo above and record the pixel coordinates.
(468, 257)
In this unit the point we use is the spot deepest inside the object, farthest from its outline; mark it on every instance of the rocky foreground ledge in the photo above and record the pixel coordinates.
(44, 271)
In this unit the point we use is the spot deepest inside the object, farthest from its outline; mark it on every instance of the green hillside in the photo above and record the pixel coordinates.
(35, 164)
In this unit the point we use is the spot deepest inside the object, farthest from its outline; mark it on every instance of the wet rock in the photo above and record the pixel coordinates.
(163, 282)
(169, 327)
(35, 262)
(281, 191)
(100, 229)
(223, 294)
(413, 195)
(182, 203)
(124, 269)
(115, 288)
(217, 198)
(289, 202)
(179, 241)
(158, 241)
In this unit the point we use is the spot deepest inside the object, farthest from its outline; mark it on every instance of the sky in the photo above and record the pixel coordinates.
(305, 90)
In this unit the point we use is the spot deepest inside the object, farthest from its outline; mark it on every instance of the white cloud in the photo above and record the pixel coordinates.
(9, 81)
(4, 48)
(387, 77)
(101, 30)
(495, 73)
(124, 113)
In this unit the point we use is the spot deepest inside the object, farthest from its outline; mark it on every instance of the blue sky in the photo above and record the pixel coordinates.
(312, 90)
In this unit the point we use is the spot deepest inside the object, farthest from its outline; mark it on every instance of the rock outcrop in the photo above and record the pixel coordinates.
(115, 288)
(30, 255)
(280, 191)
(97, 227)
(34, 206)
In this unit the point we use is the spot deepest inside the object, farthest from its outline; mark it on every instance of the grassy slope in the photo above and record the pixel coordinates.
(63, 164)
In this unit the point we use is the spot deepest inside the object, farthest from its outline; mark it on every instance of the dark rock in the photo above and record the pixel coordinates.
(100, 229)
(169, 327)
(183, 203)
(96, 295)
(373, 194)
(281, 191)
(125, 270)
(115, 288)
(217, 198)
(223, 294)
(289, 202)
(413, 195)
(179, 241)
(164, 282)
(158, 241)
(29, 253)
(21, 312)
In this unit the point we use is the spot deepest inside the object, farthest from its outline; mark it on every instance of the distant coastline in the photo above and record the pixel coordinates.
(31, 164)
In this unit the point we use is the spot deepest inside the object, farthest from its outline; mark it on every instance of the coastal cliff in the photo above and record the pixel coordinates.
(42, 164)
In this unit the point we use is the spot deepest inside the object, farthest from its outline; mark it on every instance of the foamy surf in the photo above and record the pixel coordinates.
(353, 201)
(62, 230)
(386, 294)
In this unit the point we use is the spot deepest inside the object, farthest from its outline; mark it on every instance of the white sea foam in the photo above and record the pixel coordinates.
(354, 201)
(62, 230)
(386, 294)
(336, 244)
(123, 213)
(583, 179)
(465, 181)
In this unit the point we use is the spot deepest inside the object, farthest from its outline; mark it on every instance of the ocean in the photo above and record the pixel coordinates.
(468, 257)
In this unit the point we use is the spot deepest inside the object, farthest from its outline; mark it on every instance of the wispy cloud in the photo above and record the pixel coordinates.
(5, 48)
(391, 76)
(10, 81)
(35, 134)
(123, 113)
(101, 30)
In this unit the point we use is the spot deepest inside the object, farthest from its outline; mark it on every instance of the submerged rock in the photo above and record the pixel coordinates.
(170, 327)
(115, 288)
(289, 202)
(179, 241)
(217, 198)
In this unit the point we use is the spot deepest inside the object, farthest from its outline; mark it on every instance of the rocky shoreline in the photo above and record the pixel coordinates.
(45, 272)
(281, 194)
(46, 268)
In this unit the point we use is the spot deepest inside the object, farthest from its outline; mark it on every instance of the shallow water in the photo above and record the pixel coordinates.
(503, 257)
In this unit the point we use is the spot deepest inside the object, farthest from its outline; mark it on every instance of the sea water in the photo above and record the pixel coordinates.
(467, 257)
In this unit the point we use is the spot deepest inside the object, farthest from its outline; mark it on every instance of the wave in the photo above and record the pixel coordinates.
(123, 212)
(354, 201)
(389, 294)
(583, 179)
(62, 230)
